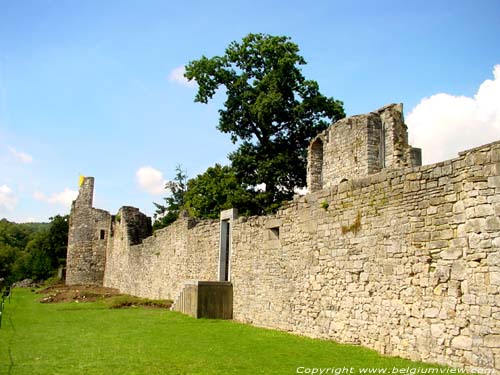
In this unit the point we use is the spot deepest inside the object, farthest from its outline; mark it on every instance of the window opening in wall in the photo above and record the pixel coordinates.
(274, 233)
(224, 250)
(102, 235)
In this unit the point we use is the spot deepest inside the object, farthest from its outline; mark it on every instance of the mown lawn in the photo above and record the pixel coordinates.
(88, 338)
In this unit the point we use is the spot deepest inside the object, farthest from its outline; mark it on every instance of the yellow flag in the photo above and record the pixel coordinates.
(80, 182)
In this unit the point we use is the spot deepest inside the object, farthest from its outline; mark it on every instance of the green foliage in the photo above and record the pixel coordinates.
(325, 205)
(119, 302)
(8, 257)
(88, 338)
(32, 250)
(18, 235)
(215, 190)
(168, 213)
(36, 263)
(57, 239)
(270, 109)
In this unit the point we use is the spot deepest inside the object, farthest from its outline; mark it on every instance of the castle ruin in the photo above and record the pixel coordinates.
(381, 252)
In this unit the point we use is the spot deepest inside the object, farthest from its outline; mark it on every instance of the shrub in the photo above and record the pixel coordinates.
(120, 302)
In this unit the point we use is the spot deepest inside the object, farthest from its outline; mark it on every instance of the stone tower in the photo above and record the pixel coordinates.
(89, 229)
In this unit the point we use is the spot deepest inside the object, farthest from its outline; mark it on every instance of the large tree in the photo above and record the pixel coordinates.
(271, 110)
(216, 190)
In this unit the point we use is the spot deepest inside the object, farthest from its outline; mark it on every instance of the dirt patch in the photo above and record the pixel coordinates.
(76, 293)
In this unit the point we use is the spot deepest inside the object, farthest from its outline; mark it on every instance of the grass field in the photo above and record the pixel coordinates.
(89, 338)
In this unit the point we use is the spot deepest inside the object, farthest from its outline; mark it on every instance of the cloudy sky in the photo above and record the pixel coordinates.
(96, 87)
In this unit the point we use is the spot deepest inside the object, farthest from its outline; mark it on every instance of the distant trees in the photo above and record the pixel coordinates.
(8, 257)
(32, 251)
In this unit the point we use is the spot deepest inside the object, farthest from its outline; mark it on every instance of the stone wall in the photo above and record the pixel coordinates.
(405, 261)
(158, 266)
(89, 230)
(359, 146)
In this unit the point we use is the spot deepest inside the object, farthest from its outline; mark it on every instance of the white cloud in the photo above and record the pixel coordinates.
(151, 180)
(64, 198)
(7, 199)
(20, 156)
(39, 196)
(443, 125)
(177, 76)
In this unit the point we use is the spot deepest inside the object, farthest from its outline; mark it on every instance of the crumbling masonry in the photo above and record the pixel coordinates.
(381, 252)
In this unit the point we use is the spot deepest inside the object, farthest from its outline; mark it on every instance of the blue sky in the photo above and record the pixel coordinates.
(89, 87)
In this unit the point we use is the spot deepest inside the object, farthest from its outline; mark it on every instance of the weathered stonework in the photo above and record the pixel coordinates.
(359, 146)
(418, 277)
(89, 230)
(404, 259)
(158, 266)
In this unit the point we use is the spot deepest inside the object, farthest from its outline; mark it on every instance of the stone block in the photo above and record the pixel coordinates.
(495, 278)
(451, 253)
(485, 311)
(459, 207)
(469, 299)
(273, 223)
(495, 155)
(462, 342)
(431, 312)
(446, 234)
(451, 197)
(494, 181)
(420, 237)
(492, 341)
(439, 244)
(437, 330)
(475, 225)
(484, 210)
(492, 223)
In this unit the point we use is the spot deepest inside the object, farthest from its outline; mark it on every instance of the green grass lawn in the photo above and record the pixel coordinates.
(88, 338)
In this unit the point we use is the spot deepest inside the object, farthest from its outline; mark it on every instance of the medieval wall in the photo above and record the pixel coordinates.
(88, 235)
(404, 261)
(359, 146)
(158, 266)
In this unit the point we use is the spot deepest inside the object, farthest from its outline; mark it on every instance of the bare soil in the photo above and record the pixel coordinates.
(76, 293)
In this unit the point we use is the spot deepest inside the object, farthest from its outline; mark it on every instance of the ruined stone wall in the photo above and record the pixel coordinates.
(158, 266)
(88, 234)
(397, 152)
(359, 146)
(404, 261)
